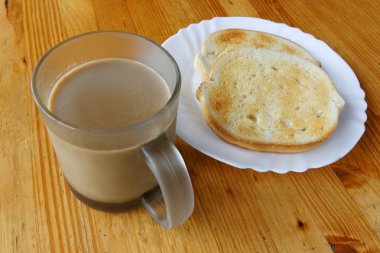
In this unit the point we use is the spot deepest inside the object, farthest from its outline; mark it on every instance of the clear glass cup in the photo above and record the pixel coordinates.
(116, 168)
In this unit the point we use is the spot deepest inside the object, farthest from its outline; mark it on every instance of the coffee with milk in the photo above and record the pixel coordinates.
(107, 93)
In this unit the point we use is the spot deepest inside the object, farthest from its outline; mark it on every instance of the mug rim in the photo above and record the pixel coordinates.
(100, 130)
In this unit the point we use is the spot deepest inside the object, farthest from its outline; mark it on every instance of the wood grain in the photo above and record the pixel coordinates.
(332, 209)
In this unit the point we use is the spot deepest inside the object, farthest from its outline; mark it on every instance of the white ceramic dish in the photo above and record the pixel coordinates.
(191, 127)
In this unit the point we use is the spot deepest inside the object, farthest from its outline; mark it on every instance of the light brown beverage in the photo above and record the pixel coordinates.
(107, 93)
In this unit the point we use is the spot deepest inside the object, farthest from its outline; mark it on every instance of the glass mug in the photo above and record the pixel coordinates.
(115, 168)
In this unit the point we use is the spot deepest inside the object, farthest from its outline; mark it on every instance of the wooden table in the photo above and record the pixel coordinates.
(332, 209)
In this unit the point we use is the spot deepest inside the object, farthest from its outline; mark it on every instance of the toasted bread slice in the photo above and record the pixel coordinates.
(217, 42)
(271, 101)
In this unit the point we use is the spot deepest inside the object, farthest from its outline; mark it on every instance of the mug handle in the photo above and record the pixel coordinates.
(172, 202)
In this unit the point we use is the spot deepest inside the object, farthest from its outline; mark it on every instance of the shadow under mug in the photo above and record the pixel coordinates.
(115, 168)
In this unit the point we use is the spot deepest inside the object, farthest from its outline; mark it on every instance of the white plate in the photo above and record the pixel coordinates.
(191, 127)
